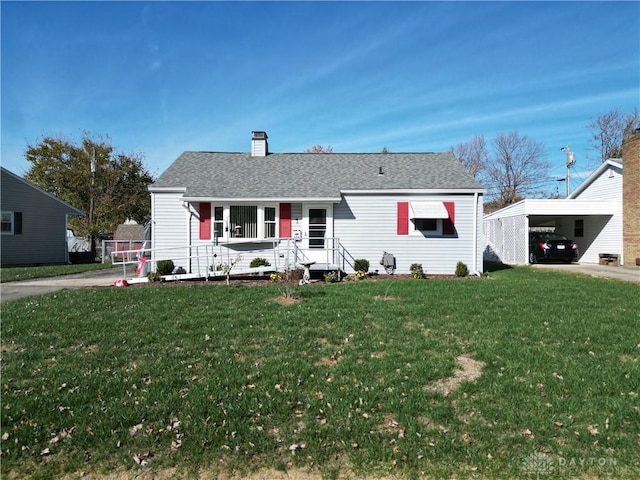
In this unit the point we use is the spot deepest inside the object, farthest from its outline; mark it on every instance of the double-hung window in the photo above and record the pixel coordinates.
(7, 223)
(218, 222)
(269, 222)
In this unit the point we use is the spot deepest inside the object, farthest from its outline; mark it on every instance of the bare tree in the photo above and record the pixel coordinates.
(608, 130)
(473, 155)
(516, 168)
(319, 149)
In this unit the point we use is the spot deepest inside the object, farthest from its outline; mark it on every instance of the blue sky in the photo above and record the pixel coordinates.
(163, 77)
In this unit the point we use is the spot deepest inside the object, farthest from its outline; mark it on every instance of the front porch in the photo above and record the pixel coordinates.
(213, 260)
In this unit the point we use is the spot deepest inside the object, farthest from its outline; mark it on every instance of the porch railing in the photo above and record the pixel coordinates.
(204, 261)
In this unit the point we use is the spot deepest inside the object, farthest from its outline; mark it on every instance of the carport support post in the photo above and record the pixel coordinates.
(526, 239)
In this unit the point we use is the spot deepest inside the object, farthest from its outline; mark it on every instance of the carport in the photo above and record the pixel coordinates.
(591, 224)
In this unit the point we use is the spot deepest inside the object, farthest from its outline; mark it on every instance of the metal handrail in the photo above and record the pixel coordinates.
(287, 254)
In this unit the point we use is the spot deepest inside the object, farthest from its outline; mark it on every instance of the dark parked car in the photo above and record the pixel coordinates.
(551, 246)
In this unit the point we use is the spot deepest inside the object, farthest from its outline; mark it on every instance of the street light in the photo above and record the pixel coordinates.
(571, 159)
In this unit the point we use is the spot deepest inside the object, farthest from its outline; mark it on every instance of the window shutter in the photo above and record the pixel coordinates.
(285, 220)
(205, 221)
(17, 223)
(448, 224)
(403, 218)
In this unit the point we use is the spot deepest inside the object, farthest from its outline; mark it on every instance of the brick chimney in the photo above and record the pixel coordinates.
(259, 144)
(631, 198)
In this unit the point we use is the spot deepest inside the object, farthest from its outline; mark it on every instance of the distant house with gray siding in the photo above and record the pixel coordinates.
(34, 223)
(421, 207)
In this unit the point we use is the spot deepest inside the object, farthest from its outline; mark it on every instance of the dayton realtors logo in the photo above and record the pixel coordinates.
(539, 464)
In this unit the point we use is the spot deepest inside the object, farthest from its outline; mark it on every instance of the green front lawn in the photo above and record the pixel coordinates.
(16, 274)
(528, 374)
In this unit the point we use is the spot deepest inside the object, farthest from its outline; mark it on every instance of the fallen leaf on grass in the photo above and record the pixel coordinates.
(526, 433)
(142, 459)
(297, 446)
(133, 430)
(593, 429)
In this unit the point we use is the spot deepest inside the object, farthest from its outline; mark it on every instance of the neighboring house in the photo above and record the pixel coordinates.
(34, 223)
(129, 236)
(591, 216)
(330, 208)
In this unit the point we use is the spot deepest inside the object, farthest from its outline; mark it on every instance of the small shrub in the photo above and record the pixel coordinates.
(417, 271)
(259, 262)
(227, 267)
(361, 265)
(290, 281)
(164, 267)
(461, 269)
(275, 278)
(154, 277)
(331, 277)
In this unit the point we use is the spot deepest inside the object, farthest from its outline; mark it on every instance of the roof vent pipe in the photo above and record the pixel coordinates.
(259, 144)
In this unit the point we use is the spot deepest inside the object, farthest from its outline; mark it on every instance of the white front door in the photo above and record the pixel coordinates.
(318, 232)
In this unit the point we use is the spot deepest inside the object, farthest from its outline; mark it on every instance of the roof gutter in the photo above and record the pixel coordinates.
(416, 191)
(262, 200)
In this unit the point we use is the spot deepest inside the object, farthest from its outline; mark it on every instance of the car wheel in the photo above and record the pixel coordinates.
(533, 258)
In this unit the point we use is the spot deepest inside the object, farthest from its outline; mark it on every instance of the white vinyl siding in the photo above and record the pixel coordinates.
(602, 234)
(367, 226)
(169, 227)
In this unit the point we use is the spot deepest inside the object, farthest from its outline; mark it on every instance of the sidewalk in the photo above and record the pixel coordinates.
(98, 278)
(626, 274)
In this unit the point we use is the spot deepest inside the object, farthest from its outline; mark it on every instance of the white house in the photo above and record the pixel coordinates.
(34, 223)
(331, 208)
(591, 216)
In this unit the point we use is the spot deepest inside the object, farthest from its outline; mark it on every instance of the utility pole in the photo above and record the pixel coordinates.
(94, 167)
(571, 159)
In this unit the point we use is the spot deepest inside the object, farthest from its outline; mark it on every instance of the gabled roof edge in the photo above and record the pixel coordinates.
(75, 211)
(594, 175)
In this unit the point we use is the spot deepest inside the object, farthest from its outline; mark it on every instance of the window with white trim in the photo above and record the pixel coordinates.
(244, 221)
(6, 223)
(269, 222)
(427, 217)
(218, 222)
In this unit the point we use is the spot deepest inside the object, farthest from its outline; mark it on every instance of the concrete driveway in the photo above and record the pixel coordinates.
(627, 274)
(97, 278)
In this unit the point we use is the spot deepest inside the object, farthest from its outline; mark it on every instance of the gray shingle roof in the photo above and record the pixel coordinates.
(311, 175)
